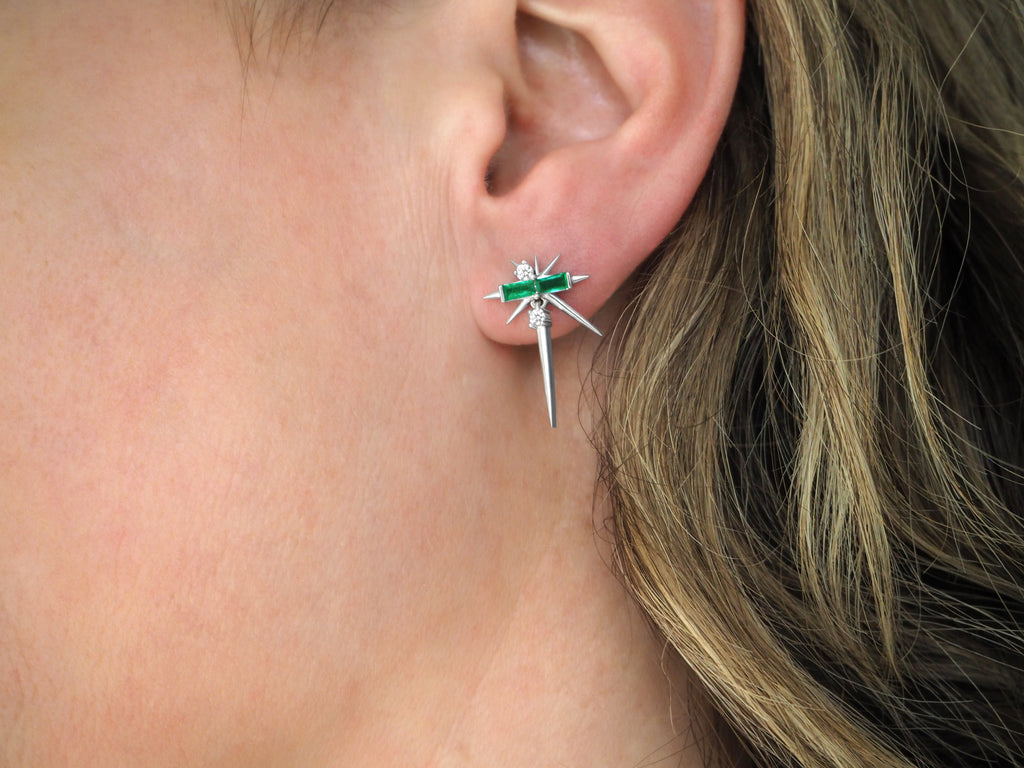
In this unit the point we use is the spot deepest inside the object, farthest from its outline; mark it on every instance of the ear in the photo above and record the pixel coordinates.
(612, 113)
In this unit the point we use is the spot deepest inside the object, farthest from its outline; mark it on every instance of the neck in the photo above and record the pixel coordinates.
(573, 678)
(566, 671)
(545, 661)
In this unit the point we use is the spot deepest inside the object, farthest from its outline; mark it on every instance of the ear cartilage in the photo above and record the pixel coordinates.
(536, 289)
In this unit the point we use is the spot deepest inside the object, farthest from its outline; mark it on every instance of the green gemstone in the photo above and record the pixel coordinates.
(527, 288)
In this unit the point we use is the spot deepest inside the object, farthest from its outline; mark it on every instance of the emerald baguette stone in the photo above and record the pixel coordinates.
(527, 288)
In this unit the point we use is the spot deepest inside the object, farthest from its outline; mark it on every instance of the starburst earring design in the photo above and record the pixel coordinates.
(536, 289)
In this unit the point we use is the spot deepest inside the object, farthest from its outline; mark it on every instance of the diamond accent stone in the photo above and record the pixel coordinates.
(525, 271)
(540, 318)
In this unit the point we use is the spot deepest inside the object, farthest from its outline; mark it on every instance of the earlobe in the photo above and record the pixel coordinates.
(613, 116)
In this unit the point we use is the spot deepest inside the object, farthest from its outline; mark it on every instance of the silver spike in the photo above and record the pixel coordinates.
(544, 345)
(522, 305)
(572, 313)
(540, 319)
(547, 271)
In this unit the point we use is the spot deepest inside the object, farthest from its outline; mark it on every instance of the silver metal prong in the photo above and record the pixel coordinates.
(495, 295)
(544, 345)
(522, 305)
(578, 278)
(547, 271)
(572, 313)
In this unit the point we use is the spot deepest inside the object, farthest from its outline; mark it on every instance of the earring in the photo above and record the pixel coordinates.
(536, 289)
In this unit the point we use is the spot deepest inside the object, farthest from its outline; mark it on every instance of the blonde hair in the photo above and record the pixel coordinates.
(813, 434)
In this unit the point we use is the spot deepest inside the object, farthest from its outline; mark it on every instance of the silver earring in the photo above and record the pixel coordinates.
(536, 289)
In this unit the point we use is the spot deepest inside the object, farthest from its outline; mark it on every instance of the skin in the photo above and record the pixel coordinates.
(267, 495)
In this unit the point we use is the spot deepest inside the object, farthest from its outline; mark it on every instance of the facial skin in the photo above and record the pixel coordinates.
(267, 496)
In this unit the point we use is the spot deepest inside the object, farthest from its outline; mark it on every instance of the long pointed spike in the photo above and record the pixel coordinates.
(544, 345)
(495, 295)
(522, 305)
(573, 314)
(536, 267)
(578, 278)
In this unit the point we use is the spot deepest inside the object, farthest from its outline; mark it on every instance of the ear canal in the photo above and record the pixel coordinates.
(564, 95)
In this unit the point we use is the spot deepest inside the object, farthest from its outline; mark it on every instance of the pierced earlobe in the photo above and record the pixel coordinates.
(537, 290)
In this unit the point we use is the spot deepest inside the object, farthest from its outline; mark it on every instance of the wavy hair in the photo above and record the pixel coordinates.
(814, 428)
